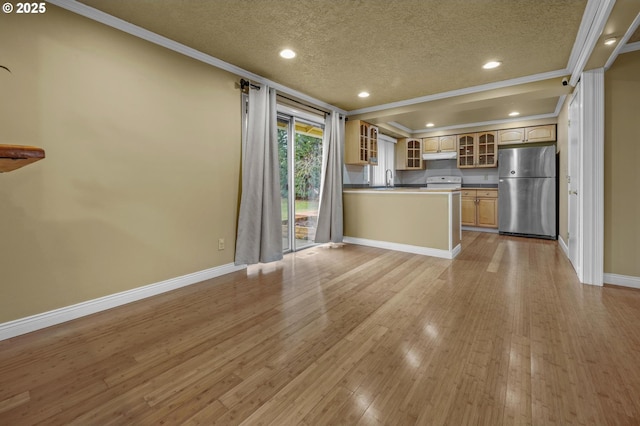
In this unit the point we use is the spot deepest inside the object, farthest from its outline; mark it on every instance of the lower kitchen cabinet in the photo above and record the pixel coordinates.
(480, 208)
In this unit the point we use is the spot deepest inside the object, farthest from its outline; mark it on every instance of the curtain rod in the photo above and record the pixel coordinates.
(305, 105)
(246, 83)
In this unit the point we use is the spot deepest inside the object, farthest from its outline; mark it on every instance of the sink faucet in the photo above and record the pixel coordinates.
(388, 175)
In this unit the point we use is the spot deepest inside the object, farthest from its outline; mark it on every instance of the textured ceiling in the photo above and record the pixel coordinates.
(394, 49)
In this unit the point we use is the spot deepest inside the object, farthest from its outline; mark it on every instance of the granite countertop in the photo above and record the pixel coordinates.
(398, 189)
(480, 185)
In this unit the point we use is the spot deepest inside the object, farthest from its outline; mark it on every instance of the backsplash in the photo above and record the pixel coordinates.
(356, 175)
(447, 168)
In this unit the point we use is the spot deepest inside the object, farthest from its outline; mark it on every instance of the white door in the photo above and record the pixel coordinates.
(574, 179)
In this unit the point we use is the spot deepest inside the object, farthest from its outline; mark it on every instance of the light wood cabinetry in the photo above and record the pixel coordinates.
(509, 136)
(540, 133)
(477, 150)
(546, 133)
(468, 216)
(439, 144)
(480, 208)
(361, 143)
(409, 154)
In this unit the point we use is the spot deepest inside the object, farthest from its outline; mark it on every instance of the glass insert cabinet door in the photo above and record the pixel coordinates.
(486, 149)
(466, 150)
(300, 157)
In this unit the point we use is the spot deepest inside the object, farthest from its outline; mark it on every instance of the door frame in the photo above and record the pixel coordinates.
(574, 190)
(291, 116)
(590, 178)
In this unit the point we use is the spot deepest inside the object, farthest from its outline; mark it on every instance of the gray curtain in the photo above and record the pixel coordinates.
(329, 226)
(259, 236)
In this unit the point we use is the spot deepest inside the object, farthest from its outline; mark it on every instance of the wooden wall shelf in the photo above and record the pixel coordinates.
(13, 157)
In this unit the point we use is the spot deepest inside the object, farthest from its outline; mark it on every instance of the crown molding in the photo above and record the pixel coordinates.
(595, 17)
(631, 47)
(588, 16)
(460, 92)
(400, 127)
(559, 105)
(136, 31)
(622, 46)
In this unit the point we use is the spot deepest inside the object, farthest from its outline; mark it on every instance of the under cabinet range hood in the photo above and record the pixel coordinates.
(448, 155)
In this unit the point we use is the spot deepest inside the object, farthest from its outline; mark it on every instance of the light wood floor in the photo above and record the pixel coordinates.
(354, 335)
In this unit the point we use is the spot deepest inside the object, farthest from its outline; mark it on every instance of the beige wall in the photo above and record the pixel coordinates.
(621, 173)
(562, 145)
(142, 170)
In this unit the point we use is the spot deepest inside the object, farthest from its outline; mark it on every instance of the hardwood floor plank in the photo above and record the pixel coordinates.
(14, 401)
(193, 404)
(206, 415)
(503, 334)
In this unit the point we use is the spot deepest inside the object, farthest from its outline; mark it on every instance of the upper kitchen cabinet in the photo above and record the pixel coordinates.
(361, 143)
(546, 133)
(477, 150)
(467, 150)
(438, 144)
(409, 154)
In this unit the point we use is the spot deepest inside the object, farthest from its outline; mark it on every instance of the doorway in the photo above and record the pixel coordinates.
(300, 157)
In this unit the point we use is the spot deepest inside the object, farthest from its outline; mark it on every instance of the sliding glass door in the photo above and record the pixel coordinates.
(300, 154)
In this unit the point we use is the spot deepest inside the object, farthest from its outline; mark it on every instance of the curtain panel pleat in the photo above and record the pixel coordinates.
(329, 227)
(259, 238)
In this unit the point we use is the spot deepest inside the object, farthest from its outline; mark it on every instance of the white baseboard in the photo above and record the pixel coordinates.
(563, 246)
(47, 319)
(446, 254)
(622, 280)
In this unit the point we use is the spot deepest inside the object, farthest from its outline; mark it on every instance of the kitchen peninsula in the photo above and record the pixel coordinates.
(415, 220)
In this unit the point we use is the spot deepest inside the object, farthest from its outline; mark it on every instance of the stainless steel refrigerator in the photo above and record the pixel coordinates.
(527, 192)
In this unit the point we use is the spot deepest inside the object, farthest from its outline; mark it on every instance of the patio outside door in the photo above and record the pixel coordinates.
(300, 155)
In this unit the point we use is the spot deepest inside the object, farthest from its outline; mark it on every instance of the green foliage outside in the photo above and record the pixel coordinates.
(308, 163)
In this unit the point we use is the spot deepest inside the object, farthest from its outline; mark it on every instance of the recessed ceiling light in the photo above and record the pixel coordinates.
(288, 53)
(610, 41)
(363, 94)
(491, 65)
(514, 113)
(430, 124)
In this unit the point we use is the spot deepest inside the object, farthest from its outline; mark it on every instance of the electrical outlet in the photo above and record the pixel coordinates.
(220, 243)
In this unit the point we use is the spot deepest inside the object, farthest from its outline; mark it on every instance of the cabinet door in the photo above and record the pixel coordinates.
(352, 144)
(373, 145)
(468, 214)
(509, 136)
(364, 143)
(447, 143)
(487, 212)
(540, 133)
(414, 154)
(487, 148)
(400, 150)
(466, 150)
(430, 145)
